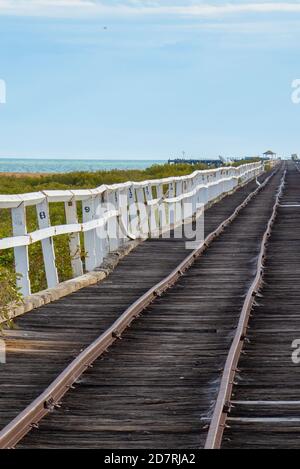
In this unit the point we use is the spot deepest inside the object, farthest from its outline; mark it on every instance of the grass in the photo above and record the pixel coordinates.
(9, 294)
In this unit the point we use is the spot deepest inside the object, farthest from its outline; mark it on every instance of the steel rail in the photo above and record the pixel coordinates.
(29, 418)
(223, 403)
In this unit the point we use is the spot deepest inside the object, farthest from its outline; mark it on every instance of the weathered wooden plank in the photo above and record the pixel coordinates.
(21, 252)
(47, 244)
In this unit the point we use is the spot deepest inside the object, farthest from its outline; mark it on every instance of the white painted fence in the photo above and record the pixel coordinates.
(111, 215)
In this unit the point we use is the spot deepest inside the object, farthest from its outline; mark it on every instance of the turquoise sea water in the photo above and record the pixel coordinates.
(66, 166)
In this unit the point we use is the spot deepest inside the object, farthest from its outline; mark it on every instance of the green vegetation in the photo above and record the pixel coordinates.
(79, 180)
(268, 166)
(240, 162)
(9, 294)
(86, 180)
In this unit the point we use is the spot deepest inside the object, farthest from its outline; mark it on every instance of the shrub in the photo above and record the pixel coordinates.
(9, 294)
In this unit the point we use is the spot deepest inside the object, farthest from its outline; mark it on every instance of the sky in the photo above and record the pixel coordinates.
(147, 79)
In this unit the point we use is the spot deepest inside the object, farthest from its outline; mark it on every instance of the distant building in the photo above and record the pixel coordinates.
(211, 162)
(270, 154)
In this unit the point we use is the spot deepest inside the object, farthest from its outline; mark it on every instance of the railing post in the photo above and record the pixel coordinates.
(143, 213)
(123, 207)
(132, 211)
(179, 205)
(151, 211)
(21, 253)
(47, 245)
(100, 236)
(161, 208)
(171, 206)
(89, 236)
(155, 216)
(113, 233)
(189, 188)
(74, 243)
(191, 185)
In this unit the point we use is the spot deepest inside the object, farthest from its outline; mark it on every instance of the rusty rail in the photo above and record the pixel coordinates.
(223, 404)
(50, 398)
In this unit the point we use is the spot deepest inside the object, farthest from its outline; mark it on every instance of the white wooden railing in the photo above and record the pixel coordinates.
(111, 215)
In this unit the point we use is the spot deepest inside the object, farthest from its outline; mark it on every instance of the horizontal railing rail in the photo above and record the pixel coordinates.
(111, 214)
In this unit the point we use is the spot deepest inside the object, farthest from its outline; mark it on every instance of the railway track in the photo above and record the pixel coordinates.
(145, 391)
(261, 408)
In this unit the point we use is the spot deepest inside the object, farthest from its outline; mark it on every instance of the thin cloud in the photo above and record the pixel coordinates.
(139, 7)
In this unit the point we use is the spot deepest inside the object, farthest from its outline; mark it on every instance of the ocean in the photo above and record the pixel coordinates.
(9, 165)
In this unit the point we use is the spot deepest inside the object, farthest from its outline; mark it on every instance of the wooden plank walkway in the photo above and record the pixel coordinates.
(153, 387)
